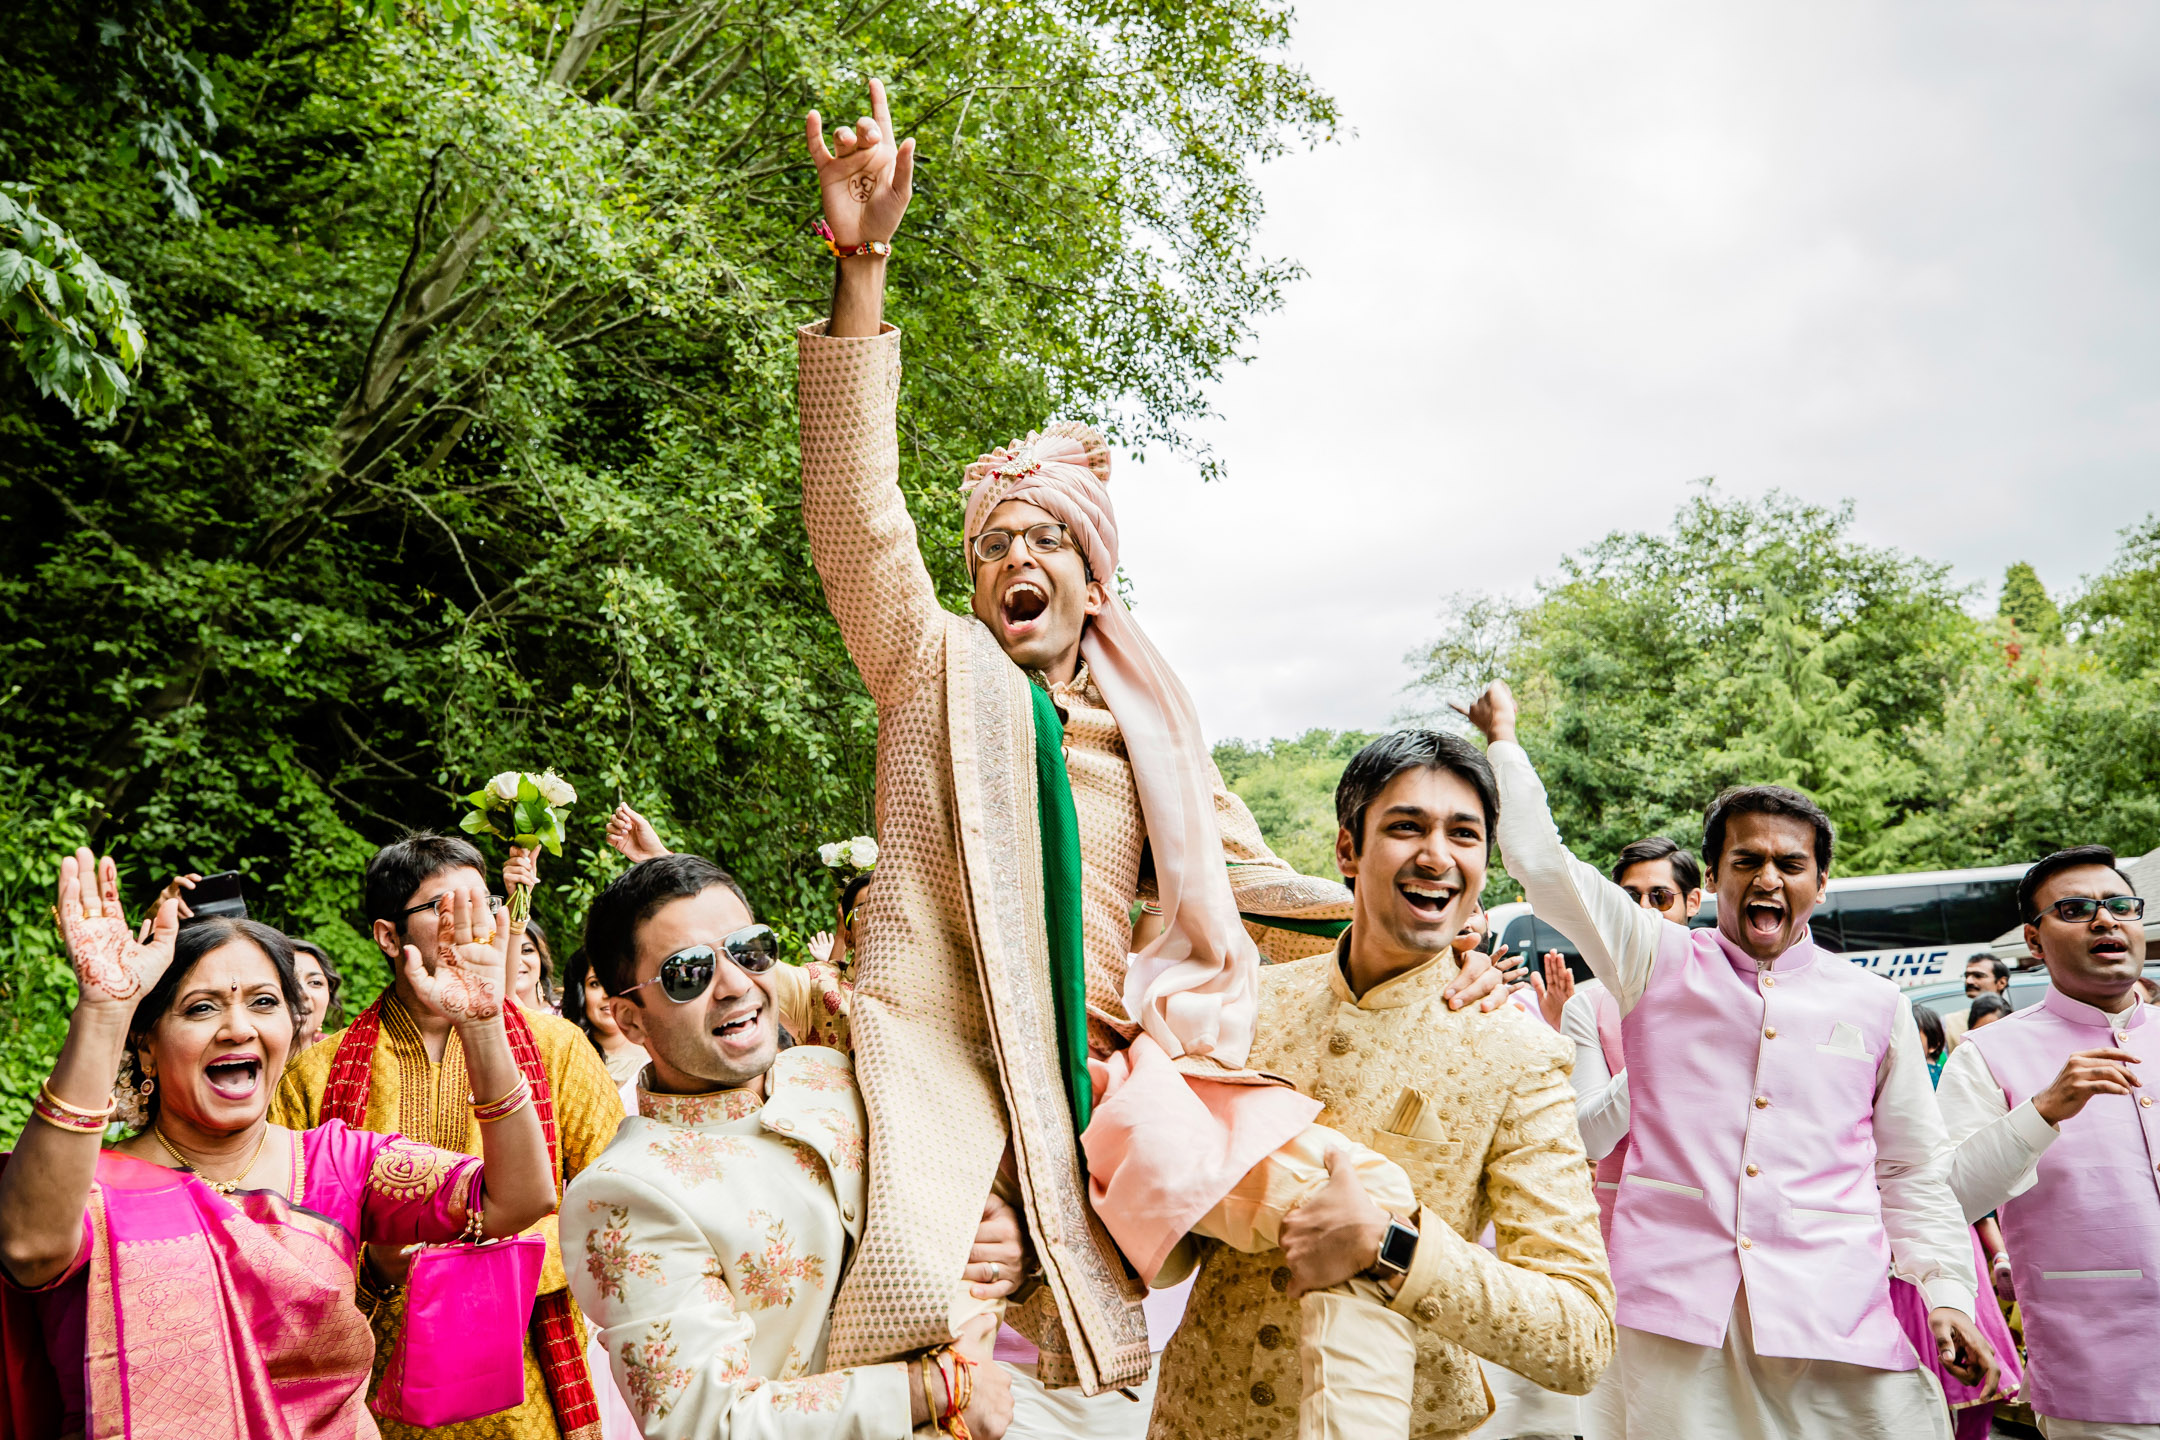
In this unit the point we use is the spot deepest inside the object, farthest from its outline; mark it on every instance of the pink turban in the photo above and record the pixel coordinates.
(1195, 988)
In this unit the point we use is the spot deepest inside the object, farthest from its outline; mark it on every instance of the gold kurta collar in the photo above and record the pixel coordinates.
(714, 1107)
(1412, 987)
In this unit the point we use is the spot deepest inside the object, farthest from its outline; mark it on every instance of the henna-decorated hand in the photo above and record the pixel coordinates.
(472, 959)
(867, 179)
(112, 966)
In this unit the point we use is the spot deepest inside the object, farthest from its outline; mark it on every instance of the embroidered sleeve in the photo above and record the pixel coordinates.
(678, 1342)
(862, 538)
(1542, 1303)
(414, 1193)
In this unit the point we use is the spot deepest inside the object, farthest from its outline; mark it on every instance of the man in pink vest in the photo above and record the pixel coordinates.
(2056, 1133)
(1784, 1149)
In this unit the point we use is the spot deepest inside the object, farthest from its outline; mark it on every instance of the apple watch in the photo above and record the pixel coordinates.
(1397, 1247)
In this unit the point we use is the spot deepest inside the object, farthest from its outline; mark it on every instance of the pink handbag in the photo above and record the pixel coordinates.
(462, 1352)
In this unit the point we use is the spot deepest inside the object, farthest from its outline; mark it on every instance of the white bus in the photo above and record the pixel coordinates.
(1915, 929)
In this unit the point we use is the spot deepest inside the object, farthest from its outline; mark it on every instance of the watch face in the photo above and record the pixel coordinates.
(1398, 1247)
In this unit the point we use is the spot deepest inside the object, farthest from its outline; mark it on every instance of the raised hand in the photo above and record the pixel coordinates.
(522, 868)
(472, 959)
(1559, 987)
(2084, 1075)
(820, 946)
(865, 178)
(1492, 712)
(112, 966)
(633, 835)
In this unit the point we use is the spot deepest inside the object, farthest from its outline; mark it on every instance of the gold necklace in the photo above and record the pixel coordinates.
(223, 1187)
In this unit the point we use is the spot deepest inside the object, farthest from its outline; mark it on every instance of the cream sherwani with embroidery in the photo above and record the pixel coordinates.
(1496, 1087)
(706, 1243)
(952, 996)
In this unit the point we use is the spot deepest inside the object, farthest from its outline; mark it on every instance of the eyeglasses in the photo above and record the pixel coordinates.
(1660, 897)
(994, 545)
(495, 905)
(688, 973)
(2080, 908)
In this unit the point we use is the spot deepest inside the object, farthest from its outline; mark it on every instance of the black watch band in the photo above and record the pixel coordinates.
(1397, 1247)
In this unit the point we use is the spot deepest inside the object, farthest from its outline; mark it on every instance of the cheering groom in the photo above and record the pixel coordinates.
(1031, 756)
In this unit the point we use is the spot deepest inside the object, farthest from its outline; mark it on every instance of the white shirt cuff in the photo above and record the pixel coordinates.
(2033, 1131)
(1941, 1294)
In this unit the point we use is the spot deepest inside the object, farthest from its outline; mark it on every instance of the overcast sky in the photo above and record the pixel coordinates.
(1569, 257)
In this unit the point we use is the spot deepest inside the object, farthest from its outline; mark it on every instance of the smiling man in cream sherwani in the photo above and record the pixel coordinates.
(1475, 1107)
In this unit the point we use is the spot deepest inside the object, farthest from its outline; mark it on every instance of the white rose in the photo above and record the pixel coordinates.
(554, 789)
(504, 787)
(862, 852)
(829, 856)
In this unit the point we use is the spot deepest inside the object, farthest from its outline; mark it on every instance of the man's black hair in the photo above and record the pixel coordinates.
(1997, 968)
(1685, 872)
(634, 897)
(2071, 859)
(1764, 800)
(194, 943)
(1931, 1030)
(1987, 1003)
(1373, 768)
(403, 866)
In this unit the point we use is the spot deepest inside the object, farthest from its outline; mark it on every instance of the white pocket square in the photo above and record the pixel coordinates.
(1845, 1040)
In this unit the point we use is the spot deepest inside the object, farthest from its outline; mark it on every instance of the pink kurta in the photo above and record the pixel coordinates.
(2084, 1241)
(1752, 1153)
(202, 1314)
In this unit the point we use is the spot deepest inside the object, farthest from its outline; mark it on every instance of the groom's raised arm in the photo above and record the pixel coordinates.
(862, 538)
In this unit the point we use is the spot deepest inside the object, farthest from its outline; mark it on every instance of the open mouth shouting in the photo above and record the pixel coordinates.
(234, 1077)
(2109, 949)
(1022, 607)
(1763, 920)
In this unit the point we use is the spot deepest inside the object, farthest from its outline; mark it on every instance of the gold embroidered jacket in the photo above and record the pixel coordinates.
(1497, 1084)
(952, 973)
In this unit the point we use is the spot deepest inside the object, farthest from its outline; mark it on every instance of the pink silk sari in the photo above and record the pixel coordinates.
(203, 1314)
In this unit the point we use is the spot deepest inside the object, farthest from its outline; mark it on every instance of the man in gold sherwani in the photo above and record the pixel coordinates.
(1475, 1107)
(985, 722)
(399, 1067)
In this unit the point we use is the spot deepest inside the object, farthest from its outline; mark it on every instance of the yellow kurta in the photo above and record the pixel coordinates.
(1497, 1084)
(430, 1101)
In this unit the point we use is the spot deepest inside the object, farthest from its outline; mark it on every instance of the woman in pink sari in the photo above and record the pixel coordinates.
(197, 1278)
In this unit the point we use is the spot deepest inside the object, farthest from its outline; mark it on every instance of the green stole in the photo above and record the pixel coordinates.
(1061, 907)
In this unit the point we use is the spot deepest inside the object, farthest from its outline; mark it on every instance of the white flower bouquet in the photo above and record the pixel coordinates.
(525, 810)
(849, 857)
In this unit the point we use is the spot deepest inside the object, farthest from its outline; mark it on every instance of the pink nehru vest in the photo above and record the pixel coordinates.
(2084, 1241)
(1608, 1170)
(1752, 1153)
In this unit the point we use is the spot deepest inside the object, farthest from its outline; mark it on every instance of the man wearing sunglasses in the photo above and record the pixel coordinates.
(399, 1067)
(709, 1238)
(2057, 1132)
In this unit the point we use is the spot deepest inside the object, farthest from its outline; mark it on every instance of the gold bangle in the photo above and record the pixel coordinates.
(103, 1116)
(72, 1124)
(502, 1109)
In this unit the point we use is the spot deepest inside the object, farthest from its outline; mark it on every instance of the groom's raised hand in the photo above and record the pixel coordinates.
(865, 181)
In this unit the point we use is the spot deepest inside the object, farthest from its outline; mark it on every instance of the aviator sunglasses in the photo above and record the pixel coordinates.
(688, 973)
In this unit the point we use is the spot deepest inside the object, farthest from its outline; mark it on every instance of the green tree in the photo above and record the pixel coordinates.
(2119, 613)
(1289, 785)
(467, 441)
(2025, 604)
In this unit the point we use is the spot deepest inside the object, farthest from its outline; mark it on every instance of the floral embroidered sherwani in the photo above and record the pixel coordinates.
(1500, 1145)
(707, 1242)
(951, 978)
(431, 1102)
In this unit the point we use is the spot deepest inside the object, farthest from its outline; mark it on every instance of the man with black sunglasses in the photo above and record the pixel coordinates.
(708, 1240)
(2057, 1133)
